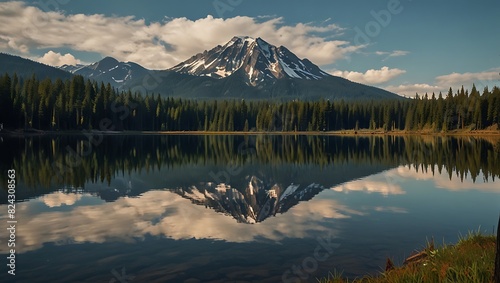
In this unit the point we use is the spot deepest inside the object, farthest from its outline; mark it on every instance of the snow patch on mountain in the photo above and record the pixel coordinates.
(288, 70)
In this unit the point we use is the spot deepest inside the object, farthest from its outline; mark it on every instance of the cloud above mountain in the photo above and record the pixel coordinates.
(371, 76)
(57, 59)
(159, 45)
(444, 82)
(468, 78)
(395, 53)
(410, 90)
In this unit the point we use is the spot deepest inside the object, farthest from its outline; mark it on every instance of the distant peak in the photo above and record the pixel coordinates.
(105, 64)
(109, 59)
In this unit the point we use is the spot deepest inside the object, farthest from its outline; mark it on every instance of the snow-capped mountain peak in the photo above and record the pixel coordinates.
(243, 38)
(258, 60)
(110, 70)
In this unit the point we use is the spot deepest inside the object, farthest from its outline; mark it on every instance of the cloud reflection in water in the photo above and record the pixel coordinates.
(163, 213)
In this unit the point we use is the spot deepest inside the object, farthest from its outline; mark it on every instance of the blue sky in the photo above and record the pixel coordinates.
(405, 46)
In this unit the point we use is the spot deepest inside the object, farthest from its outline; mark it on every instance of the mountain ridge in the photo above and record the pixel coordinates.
(25, 67)
(243, 68)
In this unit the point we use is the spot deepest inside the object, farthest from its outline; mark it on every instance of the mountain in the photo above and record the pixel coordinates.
(243, 68)
(249, 68)
(25, 68)
(109, 70)
(259, 60)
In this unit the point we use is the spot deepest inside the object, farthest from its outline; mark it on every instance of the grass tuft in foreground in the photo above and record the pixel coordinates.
(471, 260)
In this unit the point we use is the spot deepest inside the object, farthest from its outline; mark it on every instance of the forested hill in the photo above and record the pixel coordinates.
(26, 68)
(76, 104)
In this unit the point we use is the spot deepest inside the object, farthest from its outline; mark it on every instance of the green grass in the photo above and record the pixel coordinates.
(471, 260)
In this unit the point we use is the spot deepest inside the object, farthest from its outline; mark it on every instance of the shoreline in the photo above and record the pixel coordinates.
(349, 133)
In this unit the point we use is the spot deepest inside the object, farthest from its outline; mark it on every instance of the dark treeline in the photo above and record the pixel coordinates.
(77, 104)
(51, 162)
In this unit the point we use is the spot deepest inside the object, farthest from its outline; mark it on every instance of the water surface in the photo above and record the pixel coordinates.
(240, 208)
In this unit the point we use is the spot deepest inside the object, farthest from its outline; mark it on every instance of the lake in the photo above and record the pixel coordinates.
(264, 208)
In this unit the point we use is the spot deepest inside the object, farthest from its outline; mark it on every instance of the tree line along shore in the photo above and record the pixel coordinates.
(79, 104)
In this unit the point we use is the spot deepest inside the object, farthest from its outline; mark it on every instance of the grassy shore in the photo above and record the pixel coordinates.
(365, 132)
(471, 260)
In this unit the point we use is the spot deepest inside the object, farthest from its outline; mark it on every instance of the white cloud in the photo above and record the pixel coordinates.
(158, 44)
(392, 209)
(395, 53)
(444, 82)
(371, 76)
(57, 59)
(456, 80)
(409, 90)
(442, 180)
(58, 199)
(391, 182)
(370, 186)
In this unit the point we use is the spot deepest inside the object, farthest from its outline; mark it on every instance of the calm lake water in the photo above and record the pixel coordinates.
(239, 208)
